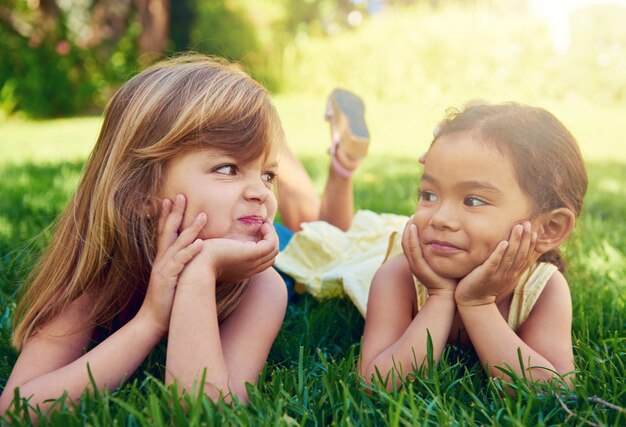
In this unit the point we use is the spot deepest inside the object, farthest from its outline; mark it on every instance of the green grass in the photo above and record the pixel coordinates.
(409, 68)
(310, 377)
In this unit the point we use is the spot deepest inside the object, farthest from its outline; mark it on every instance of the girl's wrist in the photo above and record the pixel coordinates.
(197, 279)
(444, 294)
(464, 301)
(149, 327)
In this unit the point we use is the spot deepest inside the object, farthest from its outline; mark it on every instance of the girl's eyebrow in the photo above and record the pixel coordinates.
(468, 185)
(478, 185)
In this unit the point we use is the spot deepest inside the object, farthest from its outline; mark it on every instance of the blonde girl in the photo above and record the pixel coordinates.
(170, 235)
(501, 190)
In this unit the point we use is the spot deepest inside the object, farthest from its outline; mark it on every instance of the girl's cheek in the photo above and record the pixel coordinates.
(272, 208)
(420, 217)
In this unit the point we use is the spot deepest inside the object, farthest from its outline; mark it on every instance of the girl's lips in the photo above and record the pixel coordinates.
(442, 247)
(252, 220)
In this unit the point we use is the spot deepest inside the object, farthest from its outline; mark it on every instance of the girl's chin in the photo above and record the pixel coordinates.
(243, 237)
(448, 272)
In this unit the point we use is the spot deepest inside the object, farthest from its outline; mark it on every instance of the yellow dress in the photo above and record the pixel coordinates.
(328, 262)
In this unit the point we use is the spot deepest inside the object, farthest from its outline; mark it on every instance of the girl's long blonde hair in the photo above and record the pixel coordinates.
(104, 245)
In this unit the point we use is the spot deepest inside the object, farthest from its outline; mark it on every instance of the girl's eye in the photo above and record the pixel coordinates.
(227, 170)
(473, 201)
(268, 177)
(427, 196)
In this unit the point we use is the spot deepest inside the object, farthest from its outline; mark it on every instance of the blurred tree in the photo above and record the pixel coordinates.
(181, 20)
(60, 56)
(50, 68)
(155, 20)
(109, 20)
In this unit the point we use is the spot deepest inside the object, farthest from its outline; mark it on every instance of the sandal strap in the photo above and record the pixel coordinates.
(341, 170)
(346, 173)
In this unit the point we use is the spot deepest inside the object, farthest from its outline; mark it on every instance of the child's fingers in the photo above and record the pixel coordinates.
(512, 250)
(410, 242)
(175, 264)
(405, 237)
(190, 233)
(166, 207)
(171, 224)
(266, 249)
(268, 234)
(497, 258)
(414, 242)
(187, 237)
(525, 245)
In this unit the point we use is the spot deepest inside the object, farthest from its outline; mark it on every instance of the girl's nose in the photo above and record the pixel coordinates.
(444, 217)
(257, 190)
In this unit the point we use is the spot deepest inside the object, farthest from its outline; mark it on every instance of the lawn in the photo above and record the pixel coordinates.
(310, 378)
(408, 78)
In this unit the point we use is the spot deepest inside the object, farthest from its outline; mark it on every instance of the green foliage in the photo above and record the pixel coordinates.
(465, 50)
(52, 76)
(38, 80)
(249, 33)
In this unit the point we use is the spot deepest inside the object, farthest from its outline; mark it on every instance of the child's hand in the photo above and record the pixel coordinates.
(174, 251)
(418, 265)
(232, 260)
(501, 271)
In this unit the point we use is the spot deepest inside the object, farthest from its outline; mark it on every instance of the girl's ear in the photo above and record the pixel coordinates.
(150, 209)
(555, 227)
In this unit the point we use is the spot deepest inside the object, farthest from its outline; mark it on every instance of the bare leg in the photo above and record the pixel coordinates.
(298, 201)
(338, 198)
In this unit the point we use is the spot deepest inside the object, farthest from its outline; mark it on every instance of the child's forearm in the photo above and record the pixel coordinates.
(409, 352)
(107, 368)
(497, 345)
(194, 342)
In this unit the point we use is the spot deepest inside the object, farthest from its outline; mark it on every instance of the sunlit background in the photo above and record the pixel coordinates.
(409, 60)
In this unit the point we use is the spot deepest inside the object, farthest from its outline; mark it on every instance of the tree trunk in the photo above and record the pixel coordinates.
(109, 21)
(155, 17)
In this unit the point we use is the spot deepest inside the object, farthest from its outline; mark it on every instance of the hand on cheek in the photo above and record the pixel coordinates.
(176, 247)
(501, 271)
(418, 265)
(232, 261)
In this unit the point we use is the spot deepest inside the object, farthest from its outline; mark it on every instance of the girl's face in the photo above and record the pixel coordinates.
(469, 201)
(236, 197)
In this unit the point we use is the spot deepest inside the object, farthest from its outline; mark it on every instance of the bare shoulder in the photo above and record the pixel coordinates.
(552, 311)
(71, 320)
(392, 285)
(269, 288)
(548, 329)
(555, 296)
(394, 275)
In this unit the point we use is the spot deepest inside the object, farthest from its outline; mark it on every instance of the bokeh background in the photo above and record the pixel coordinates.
(409, 59)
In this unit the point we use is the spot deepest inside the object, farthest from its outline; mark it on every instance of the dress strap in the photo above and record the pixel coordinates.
(527, 292)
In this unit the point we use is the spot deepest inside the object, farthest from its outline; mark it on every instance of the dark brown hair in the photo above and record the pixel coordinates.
(547, 161)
